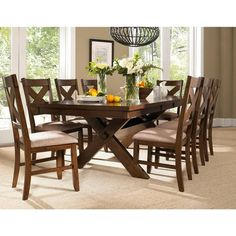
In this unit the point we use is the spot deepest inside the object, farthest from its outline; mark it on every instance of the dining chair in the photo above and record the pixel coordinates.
(169, 142)
(199, 126)
(174, 88)
(87, 84)
(211, 111)
(30, 143)
(39, 91)
(67, 89)
(199, 135)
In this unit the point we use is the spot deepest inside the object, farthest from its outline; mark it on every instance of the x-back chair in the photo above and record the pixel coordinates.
(169, 142)
(32, 143)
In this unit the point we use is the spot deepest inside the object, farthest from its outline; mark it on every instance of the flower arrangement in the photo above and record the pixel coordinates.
(133, 66)
(101, 70)
(96, 68)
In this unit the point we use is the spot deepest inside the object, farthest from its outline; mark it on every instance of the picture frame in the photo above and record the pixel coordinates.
(102, 50)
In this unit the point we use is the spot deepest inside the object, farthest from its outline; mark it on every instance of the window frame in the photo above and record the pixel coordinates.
(196, 49)
(18, 64)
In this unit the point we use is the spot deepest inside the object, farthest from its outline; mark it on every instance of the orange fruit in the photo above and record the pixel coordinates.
(141, 84)
(110, 98)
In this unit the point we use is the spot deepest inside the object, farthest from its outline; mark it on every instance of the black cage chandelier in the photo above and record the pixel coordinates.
(134, 36)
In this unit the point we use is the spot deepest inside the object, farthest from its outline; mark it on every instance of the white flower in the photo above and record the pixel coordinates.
(115, 63)
(140, 63)
(101, 66)
(130, 71)
(129, 65)
(123, 62)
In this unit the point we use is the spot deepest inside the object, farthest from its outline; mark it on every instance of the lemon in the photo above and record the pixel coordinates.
(117, 98)
(92, 92)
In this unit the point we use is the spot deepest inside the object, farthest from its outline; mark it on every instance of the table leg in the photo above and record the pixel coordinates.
(105, 134)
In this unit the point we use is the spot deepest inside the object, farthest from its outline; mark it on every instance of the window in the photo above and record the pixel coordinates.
(5, 68)
(34, 52)
(178, 50)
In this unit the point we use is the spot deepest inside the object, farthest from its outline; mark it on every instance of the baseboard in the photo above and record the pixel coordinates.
(224, 122)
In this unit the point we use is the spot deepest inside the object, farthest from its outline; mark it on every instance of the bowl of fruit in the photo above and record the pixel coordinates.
(144, 89)
(92, 96)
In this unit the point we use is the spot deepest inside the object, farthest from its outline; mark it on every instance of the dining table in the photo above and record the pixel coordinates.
(114, 124)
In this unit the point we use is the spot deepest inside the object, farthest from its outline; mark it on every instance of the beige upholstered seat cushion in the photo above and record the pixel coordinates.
(79, 120)
(50, 138)
(169, 124)
(68, 126)
(168, 116)
(159, 136)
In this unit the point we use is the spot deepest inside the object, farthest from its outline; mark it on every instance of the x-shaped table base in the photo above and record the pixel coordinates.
(105, 134)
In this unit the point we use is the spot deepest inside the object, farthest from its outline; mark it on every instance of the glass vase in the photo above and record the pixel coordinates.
(102, 83)
(131, 88)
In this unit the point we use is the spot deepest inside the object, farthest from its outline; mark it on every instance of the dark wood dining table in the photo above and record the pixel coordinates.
(114, 124)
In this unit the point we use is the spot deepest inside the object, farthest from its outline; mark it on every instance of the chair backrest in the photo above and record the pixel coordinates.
(202, 111)
(67, 89)
(191, 100)
(213, 97)
(36, 91)
(87, 84)
(174, 88)
(16, 109)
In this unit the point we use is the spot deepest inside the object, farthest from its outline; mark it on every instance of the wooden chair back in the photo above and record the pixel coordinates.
(213, 96)
(17, 114)
(191, 101)
(36, 91)
(174, 88)
(87, 84)
(202, 112)
(67, 89)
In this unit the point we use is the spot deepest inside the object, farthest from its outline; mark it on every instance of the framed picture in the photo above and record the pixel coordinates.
(103, 50)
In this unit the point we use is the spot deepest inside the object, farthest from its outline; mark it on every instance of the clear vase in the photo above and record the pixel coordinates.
(102, 83)
(131, 88)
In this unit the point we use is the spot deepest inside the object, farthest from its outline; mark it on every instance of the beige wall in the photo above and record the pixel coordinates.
(83, 34)
(220, 63)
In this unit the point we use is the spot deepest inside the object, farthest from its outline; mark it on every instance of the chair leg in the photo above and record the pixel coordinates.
(75, 175)
(205, 146)
(210, 140)
(34, 157)
(105, 148)
(80, 139)
(188, 161)
(194, 154)
(59, 163)
(201, 148)
(149, 159)
(90, 134)
(179, 174)
(157, 156)
(136, 151)
(27, 175)
(16, 166)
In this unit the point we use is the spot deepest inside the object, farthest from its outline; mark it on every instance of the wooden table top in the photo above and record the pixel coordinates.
(103, 109)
